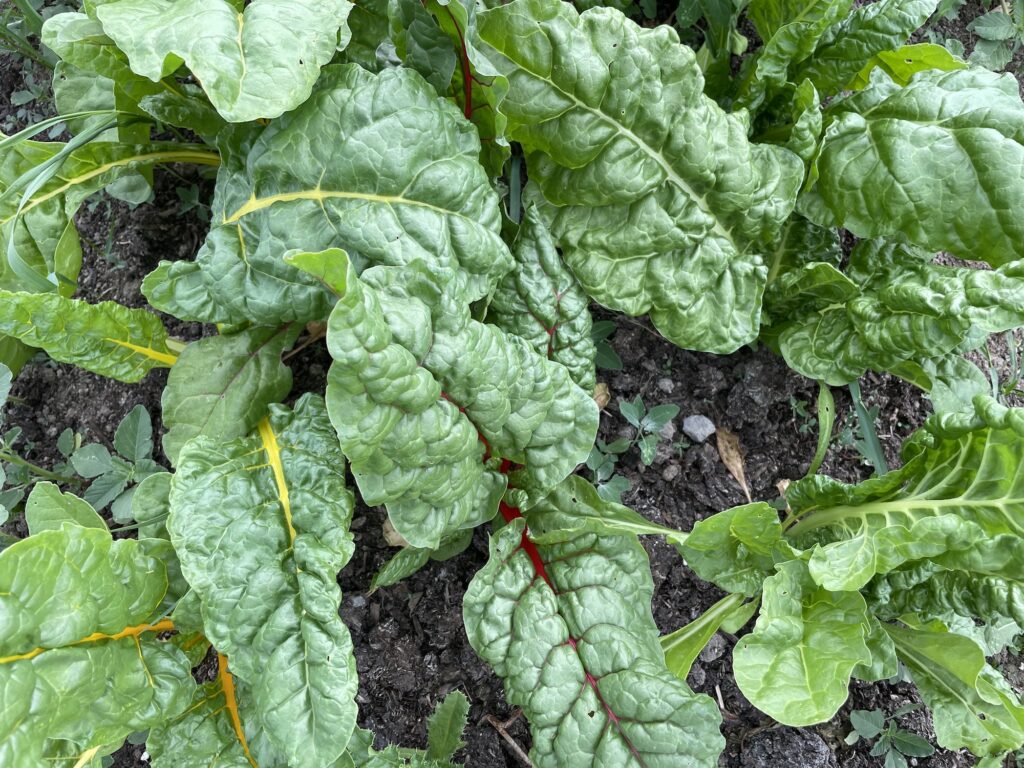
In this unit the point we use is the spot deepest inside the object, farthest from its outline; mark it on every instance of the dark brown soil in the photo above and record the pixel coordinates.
(411, 647)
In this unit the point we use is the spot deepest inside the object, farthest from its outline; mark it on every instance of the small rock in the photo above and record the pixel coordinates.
(670, 473)
(786, 746)
(696, 677)
(665, 384)
(698, 428)
(358, 601)
(713, 650)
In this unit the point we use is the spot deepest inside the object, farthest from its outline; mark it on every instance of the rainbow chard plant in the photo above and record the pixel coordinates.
(370, 164)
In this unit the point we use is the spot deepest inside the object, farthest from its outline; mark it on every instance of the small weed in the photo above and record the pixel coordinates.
(893, 743)
(648, 425)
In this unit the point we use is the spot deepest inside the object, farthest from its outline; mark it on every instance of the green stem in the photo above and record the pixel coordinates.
(157, 519)
(35, 469)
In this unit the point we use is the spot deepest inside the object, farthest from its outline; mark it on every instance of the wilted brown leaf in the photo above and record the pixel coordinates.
(732, 456)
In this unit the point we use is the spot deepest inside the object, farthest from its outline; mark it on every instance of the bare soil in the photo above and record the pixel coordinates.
(411, 647)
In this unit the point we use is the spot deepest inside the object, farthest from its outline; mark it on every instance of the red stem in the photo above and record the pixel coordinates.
(467, 73)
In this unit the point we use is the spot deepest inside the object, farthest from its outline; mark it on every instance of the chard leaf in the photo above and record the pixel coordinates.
(253, 62)
(656, 197)
(261, 527)
(736, 549)
(47, 509)
(956, 501)
(891, 308)
(902, 64)
(683, 646)
(329, 175)
(81, 659)
(971, 705)
(850, 44)
(421, 43)
(943, 157)
(106, 338)
(569, 628)
(541, 302)
(419, 393)
(796, 664)
(40, 227)
(791, 30)
(221, 385)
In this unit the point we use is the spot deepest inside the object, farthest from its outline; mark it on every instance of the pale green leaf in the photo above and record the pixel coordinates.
(48, 509)
(134, 436)
(445, 726)
(257, 61)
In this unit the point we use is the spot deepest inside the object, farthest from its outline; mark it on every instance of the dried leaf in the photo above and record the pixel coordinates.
(732, 456)
(602, 395)
(393, 537)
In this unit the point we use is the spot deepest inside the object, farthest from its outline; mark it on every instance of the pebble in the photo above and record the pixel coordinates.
(713, 650)
(358, 601)
(666, 385)
(671, 473)
(668, 431)
(698, 428)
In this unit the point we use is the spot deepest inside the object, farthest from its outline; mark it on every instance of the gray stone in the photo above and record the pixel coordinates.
(698, 428)
(670, 473)
(665, 384)
(714, 649)
(786, 747)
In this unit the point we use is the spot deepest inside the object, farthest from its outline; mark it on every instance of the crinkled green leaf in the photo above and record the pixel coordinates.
(796, 664)
(221, 385)
(47, 509)
(257, 61)
(971, 705)
(890, 307)
(791, 30)
(151, 504)
(656, 197)
(421, 43)
(940, 161)
(872, 27)
(261, 526)
(581, 655)
(952, 382)
(82, 661)
(804, 274)
(419, 392)
(106, 338)
(956, 501)
(376, 164)
(736, 549)
(541, 302)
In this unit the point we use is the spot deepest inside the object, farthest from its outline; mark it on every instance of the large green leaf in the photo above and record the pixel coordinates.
(943, 158)
(892, 306)
(796, 664)
(48, 509)
(261, 527)
(376, 164)
(873, 27)
(221, 385)
(420, 394)
(105, 338)
(957, 501)
(569, 628)
(82, 663)
(971, 705)
(260, 60)
(656, 197)
(541, 302)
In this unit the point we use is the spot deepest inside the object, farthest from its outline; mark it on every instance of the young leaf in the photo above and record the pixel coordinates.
(868, 722)
(221, 385)
(569, 628)
(134, 436)
(92, 460)
(419, 391)
(261, 527)
(445, 727)
(260, 61)
(47, 509)
(82, 661)
(278, 190)
(683, 646)
(607, 153)
(105, 338)
(911, 144)
(540, 301)
(796, 665)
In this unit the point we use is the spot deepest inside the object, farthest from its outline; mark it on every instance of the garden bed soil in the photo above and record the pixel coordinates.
(410, 645)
